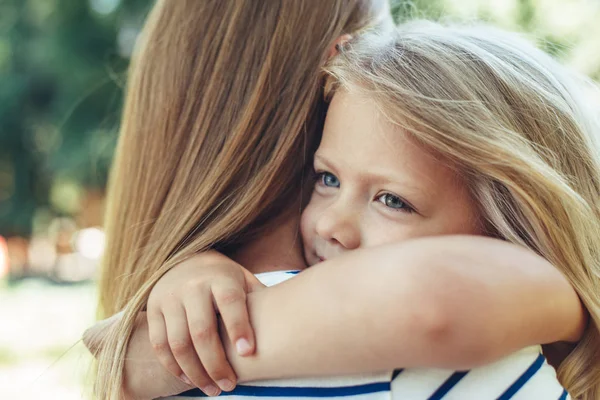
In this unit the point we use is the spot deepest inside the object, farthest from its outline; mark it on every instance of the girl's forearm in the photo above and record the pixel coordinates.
(454, 302)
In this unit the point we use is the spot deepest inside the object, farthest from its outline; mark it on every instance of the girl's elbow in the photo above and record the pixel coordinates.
(456, 344)
(449, 321)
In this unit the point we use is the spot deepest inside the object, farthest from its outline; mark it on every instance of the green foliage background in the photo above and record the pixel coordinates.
(62, 72)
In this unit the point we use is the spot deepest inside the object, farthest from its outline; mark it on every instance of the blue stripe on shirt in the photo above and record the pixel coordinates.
(563, 396)
(448, 385)
(396, 373)
(280, 391)
(522, 380)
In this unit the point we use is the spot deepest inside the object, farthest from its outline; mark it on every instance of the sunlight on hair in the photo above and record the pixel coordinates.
(519, 125)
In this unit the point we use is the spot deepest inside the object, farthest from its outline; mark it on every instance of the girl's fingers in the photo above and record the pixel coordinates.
(202, 321)
(157, 332)
(230, 299)
(182, 348)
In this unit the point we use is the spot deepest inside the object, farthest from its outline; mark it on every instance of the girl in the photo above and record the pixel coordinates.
(464, 129)
(460, 130)
(196, 98)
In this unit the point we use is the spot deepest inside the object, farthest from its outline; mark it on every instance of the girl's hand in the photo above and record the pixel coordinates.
(182, 319)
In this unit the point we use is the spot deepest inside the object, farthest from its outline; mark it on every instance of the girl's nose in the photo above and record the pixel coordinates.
(339, 226)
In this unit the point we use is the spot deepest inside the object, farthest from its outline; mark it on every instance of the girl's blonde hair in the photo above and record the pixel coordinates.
(518, 125)
(224, 106)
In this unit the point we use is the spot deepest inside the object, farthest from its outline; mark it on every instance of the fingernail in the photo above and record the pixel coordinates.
(243, 347)
(225, 384)
(211, 390)
(185, 379)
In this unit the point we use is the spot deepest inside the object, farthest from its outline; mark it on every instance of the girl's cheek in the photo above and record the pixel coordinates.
(308, 220)
(304, 224)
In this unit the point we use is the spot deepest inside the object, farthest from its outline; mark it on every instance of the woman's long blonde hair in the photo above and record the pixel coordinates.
(519, 126)
(224, 106)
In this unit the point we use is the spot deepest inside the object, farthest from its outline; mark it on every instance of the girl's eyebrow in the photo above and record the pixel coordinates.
(321, 159)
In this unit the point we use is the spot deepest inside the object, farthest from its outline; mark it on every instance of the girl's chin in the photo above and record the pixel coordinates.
(317, 260)
(312, 259)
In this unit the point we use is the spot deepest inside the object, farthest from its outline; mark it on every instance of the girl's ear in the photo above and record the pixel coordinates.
(335, 46)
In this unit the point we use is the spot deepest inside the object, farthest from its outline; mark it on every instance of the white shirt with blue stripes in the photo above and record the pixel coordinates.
(524, 375)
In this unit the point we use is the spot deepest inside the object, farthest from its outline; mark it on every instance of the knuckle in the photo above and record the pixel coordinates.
(230, 296)
(180, 346)
(194, 289)
(158, 307)
(202, 333)
(160, 347)
(193, 286)
(198, 283)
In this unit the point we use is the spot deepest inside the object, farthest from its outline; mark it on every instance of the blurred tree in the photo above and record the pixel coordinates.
(61, 68)
(403, 10)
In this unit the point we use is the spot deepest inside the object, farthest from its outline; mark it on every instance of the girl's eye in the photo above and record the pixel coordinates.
(394, 202)
(328, 179)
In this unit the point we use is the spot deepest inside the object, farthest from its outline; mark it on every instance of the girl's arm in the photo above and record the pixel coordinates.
(454, 302)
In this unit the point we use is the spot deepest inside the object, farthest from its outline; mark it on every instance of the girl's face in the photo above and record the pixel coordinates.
(375, 186)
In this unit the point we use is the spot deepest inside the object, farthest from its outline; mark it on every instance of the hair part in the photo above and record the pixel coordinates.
(516, 124)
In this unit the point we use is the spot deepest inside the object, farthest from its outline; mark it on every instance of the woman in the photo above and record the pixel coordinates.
(225, 117)
(247, 70)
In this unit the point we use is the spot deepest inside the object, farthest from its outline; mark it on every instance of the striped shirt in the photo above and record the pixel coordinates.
(524, 375)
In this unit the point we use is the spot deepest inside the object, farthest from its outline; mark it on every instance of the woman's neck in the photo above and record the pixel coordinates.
(278, 249)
